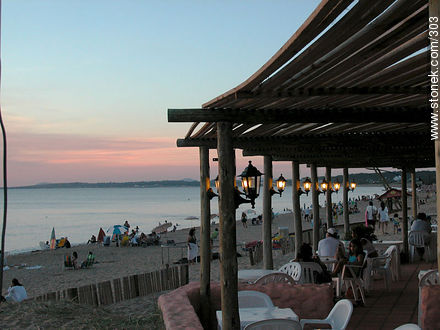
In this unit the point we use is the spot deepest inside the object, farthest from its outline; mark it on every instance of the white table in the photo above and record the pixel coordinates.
(251, 275)
(250, 315)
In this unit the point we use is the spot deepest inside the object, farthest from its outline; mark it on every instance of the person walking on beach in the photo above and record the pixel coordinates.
(244, 219)
(383, 218)
(193, 249)
(370, 215)
(16, 292)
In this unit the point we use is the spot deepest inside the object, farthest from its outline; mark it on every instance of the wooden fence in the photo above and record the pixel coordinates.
(128, 287)
(287, 245)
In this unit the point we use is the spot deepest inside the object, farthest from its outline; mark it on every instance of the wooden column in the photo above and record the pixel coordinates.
(315, 206)
(414, 193)
(328, 197)
(345, 188)
(228, 249)
(267, 214)
(404, 214)
(296, 207)
(205, 236)
(434, 16)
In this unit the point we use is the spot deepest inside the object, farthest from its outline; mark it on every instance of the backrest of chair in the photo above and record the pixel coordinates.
(340, 315)
(275, 278)
(274, 324)
(429, 278)
(408, 326)
(391, 249)
(307, 269)
(416, 238)
(251, 299)
(293, 269)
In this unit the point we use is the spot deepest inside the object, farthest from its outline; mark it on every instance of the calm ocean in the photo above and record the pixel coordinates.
(78, 213)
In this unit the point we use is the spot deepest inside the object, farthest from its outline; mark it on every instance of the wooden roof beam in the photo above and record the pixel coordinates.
(281, 116)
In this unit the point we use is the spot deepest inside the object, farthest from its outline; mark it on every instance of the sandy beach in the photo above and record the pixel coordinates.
(117, 262)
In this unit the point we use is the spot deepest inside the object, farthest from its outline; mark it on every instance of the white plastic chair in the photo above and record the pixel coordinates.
(275, 278)
(274, 324)
(338, 317)
(416, 239)
(253, 299)
(409, 326)
(382, 265)
(292, 269)
(429, 278)
(352, 276)
(307, 269)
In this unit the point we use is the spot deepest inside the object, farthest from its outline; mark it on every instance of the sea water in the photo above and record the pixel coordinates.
(80, 212)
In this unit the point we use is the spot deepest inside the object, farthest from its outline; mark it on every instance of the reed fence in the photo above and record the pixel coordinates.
(128, 287)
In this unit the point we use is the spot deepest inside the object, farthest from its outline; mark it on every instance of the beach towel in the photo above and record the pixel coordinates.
(193, 251)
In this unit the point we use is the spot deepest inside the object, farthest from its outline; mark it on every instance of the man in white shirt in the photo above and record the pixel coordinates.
(371, 214)
(328, 246)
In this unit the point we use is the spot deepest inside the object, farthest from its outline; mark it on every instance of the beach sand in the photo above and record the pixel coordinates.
(117, 262)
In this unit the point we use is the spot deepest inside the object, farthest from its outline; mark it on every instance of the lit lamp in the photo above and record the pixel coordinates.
(336, 186)
(352, 185)
(307, 185)
(324, 186)
(251, 182)
(281, 184)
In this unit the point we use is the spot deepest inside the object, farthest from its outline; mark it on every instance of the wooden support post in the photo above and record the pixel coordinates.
(205, 236)
(315, 206)
(414, 193)
(345, 188)
(404, 214)
(434, 16)
(296, 207)
(328, 197)
(228, 240)
(267, 214)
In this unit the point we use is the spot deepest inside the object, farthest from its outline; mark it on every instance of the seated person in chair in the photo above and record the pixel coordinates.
(305, 254)
(355, 257)
(422, 224)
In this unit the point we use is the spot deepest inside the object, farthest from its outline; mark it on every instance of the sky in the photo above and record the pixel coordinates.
(86, 84)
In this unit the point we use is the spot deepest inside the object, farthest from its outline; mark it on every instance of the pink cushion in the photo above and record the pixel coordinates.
(181, 307)
(430, 307)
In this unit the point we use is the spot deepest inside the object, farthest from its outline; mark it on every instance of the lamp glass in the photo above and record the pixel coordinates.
(307, 185)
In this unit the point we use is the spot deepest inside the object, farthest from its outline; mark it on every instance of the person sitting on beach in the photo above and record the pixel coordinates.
(92, 240)
(75, 260)
(16, 292)
(67, 244)
(90, 260)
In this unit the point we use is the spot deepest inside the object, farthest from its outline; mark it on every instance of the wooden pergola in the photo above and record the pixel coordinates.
(348, 90)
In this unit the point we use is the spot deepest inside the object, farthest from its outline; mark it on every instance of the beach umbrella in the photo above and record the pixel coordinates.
(53, 241)
(117, 230)
(101, 235)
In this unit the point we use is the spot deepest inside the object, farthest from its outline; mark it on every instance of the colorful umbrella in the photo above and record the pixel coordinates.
(101, 235)
(117, 230)
(53, 241)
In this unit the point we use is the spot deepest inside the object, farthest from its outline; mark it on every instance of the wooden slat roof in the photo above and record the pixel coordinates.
(353, 71)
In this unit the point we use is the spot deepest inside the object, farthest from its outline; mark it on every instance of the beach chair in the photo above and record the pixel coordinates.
(274, 324)
(68, 263)
(338, 317)
(88, 263)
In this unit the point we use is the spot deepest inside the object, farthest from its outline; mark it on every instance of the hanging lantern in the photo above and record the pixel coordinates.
(307, 185)
(336, 186)
(352, 185)
(281, 184)
(251, 182)
(324, 185)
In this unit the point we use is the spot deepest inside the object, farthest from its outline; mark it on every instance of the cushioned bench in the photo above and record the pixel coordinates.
(181, 307)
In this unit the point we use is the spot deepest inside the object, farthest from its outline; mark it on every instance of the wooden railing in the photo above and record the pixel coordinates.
(128, 287)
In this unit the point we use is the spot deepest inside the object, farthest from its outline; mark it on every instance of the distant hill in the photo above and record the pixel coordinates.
(425, 177)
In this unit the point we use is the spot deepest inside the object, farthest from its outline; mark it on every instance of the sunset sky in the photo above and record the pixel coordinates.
(86, 84)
